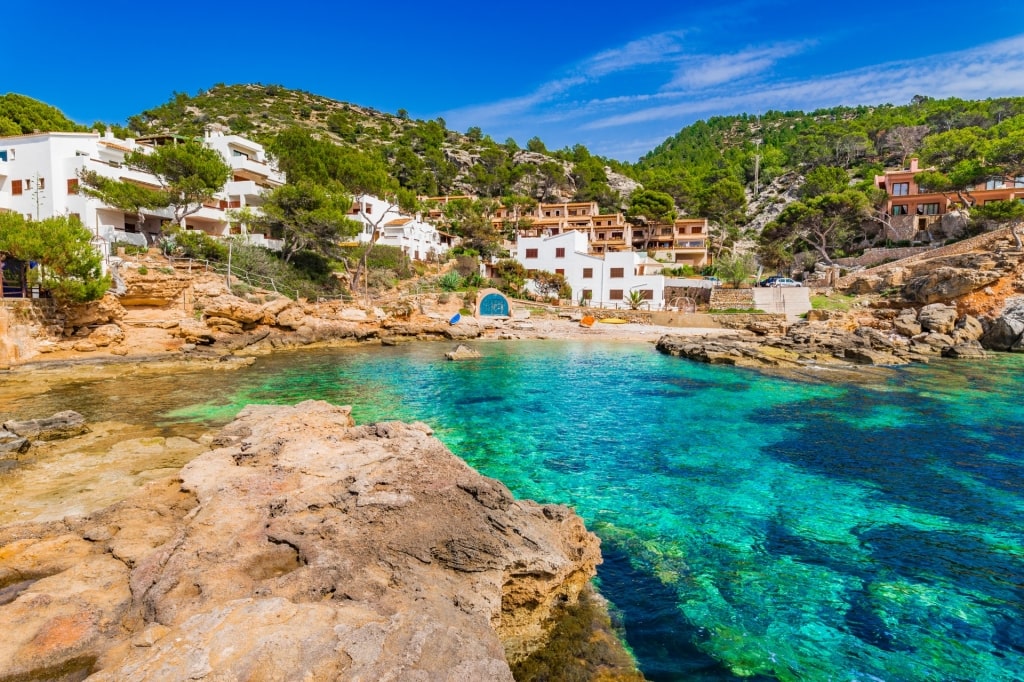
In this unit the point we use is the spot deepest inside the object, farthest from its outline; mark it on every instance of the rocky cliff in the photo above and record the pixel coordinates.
(302, 547)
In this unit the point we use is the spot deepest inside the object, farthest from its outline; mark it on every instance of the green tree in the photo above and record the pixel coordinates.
(511, 276)
(69, 267)
(823, 223)
(1009, 213)
(188, 173)
(724, 204)
(551, 284)
(309, 217)
(735, 268)
(824, 180)
(124, 196)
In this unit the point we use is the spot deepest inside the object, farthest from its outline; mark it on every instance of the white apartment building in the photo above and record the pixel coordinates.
(606, 280)
(39, 179)
(385, 224)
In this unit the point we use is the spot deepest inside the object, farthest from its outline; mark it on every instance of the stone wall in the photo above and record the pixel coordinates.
(872, 257)
(24, 323)
(724, 299)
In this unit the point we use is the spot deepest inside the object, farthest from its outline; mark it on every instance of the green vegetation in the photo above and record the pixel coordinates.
(189, 174)
(20, 114)
(839, 302)
(582, 646)
(736, 311)
(68, 265)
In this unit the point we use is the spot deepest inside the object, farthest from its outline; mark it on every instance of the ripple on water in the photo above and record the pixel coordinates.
(753, 527)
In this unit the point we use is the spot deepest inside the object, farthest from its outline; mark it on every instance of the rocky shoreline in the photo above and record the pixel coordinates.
(304, 547)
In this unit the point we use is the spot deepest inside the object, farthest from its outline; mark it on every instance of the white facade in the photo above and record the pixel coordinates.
(385, 224)
(39, 179)
(607, 280)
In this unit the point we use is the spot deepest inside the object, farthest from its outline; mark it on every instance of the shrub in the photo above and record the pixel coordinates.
(143, 270)
(449, 281)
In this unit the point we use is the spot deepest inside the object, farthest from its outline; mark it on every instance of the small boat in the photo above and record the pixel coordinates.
(455, 318)
(587, 321)
(613, 320)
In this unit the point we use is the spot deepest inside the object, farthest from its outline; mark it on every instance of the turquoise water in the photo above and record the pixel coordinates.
(752, 527)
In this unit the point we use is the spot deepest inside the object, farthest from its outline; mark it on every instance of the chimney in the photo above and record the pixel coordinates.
(913, 165)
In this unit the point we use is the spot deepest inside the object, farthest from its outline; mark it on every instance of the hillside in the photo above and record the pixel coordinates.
(20, 115)
(421, 157)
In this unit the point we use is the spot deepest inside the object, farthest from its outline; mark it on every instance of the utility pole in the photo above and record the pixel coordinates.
(38, 195)
(757, 169)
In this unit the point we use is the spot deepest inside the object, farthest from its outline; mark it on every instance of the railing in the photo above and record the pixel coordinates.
(249, 278)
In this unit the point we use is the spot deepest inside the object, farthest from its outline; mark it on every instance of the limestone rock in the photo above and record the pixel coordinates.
(194, 331)
(233, 308)
(864, 284)
(907, 326)
(106, 335)
(462, 352)
(303, 548)
(968, 350)
(947, 283)
(224, 325)
(58, 426)
(12, 445)
(968, 328)
(938, 318)
(291, 318)
(1005, 334)
(155, 288)
(107, 310)
(272, 309)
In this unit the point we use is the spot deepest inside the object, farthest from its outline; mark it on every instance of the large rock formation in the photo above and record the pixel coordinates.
(304, 547)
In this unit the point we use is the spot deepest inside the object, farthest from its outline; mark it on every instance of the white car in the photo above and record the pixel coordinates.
(785, 282)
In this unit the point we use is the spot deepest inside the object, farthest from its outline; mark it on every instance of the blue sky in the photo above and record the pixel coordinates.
(618, 77)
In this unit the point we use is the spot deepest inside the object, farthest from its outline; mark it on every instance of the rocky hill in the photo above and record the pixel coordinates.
(424, 157)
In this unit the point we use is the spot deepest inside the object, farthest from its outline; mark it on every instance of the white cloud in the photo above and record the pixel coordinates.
(991, 70)
(654, 49)
(701, 72)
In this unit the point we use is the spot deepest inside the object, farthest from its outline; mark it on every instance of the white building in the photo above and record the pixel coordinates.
(39, 179)
(385, 224)
(607, 280)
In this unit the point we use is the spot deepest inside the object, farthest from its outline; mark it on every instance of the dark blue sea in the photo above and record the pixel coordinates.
(753, 527)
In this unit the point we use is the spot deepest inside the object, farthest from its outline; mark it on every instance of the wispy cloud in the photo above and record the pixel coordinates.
(987, 71)
(700, 72)
(654, 49)
(495, 112)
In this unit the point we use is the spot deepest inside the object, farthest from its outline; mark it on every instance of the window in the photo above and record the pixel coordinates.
(899, 209)
(3, 154)
(72, 185)
(928, 209)
(900, 189)
(616, 235)
(28, 184)
(560, 252)
(600, 235)
(560, 271)
(16, 187)
(531, 253)
(617, 273)
(647, 294)
(588, 273)
(615, 295)
(587, 294)
(75, 216)
(42, 183)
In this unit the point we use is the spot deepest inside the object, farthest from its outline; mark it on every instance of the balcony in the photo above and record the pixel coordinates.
(261, 171)
(243, 188)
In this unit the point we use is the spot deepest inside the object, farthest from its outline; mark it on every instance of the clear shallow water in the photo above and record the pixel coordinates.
(752, 527)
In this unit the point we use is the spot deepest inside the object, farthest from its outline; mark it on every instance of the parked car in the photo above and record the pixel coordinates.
(784, 282)
(714, 280)
(767, 282)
